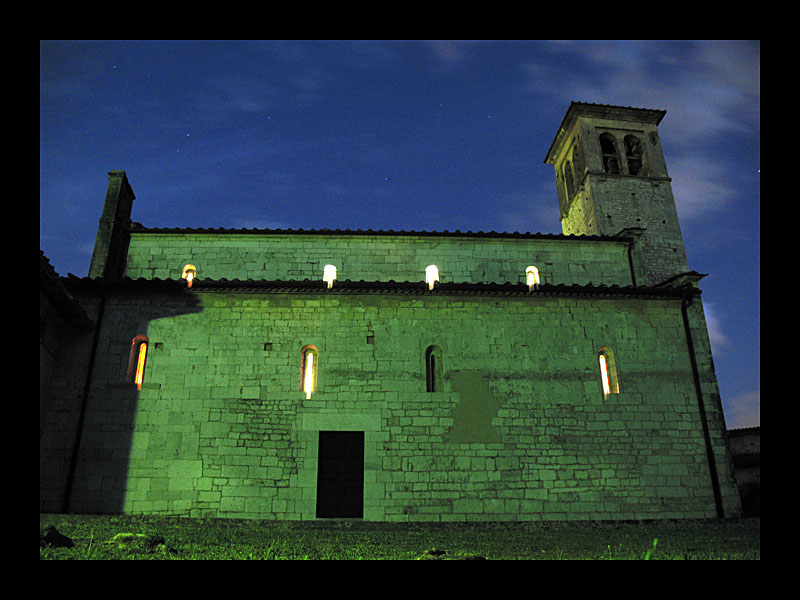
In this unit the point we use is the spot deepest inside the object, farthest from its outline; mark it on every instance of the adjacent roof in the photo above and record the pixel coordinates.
(744, 431)
(52, 287)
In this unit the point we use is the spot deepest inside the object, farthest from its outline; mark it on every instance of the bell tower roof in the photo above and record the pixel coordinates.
(600, 111)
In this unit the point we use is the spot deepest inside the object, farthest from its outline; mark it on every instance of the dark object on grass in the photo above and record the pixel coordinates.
(437, 554)
(52, 537)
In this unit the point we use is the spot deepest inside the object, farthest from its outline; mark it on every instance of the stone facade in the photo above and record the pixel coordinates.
(378, 256)
(480, 399)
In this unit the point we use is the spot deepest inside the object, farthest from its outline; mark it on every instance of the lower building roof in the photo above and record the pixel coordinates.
(383, 287)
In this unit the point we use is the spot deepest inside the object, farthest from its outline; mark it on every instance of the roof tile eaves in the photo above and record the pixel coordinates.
(138, 228)
(388, 287)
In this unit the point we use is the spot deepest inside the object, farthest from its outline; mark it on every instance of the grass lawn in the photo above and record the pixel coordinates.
(224, 539)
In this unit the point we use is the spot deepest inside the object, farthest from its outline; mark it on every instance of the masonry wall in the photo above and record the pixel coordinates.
(522, 430)
(294, 256)
(622, 202)
(64, 360)
(98, 385)
(51, 332)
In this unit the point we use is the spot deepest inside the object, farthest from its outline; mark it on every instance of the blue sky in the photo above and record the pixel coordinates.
(415, 135)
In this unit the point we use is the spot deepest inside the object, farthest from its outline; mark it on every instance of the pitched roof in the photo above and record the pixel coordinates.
(383, 287)
(607, 111)
(53, 288)
(138, 228)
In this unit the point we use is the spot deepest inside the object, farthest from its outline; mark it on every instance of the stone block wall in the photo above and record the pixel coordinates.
(625, 202)
(385, 257)
(521, 430)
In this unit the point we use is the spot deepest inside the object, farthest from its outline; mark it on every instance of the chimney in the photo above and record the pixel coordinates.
(114, 232)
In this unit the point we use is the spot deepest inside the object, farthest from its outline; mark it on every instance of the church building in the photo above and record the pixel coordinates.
(394, 375)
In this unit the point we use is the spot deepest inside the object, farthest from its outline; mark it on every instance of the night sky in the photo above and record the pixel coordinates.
(413, 135)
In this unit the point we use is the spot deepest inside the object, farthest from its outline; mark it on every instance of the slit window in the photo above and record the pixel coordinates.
(329, 275)
(140, 365)
(569, 180)
(137, 360)
(608, 371)
(308, 370)
(433, 369)
(431, 275)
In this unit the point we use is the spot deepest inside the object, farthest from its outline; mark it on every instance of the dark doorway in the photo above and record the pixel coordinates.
(340, 475)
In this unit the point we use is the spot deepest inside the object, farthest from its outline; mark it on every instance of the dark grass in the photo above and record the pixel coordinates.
(224, 539)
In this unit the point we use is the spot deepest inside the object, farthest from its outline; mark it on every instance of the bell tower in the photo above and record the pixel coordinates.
(612, 181)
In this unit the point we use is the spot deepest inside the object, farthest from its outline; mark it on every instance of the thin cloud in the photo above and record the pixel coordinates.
(237, 93)
(711, 89)
(717, 337)
(451, 53)
(535, 213)
(743, 410)
(447, 51)
(699, 186)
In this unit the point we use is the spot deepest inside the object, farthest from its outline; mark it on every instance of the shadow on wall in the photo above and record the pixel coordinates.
(89, 421)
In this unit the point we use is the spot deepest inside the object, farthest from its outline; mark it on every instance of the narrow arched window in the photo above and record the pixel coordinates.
(431, 275)
(608, 150)
(608, 371)
(329, 275)
(137, 360)
(433, 369)
(578, 162)
(189, 273)
(569, 180)
(308, 370)
(633, 154)
(532, 276)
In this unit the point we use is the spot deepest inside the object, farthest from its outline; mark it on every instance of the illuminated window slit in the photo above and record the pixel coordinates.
(137, 360)
(309, 381)
(309, 367)
(604, 375)
(140, 365)
(608, 371)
